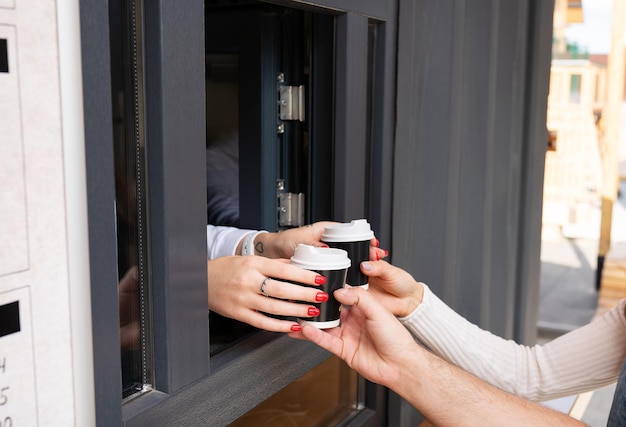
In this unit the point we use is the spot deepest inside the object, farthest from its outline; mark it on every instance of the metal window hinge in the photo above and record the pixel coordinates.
(290, 101)
(290, 206)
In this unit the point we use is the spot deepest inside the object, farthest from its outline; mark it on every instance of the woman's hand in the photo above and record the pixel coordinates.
(234, 284)
(283, 244)
(369, 339)
(393, 287)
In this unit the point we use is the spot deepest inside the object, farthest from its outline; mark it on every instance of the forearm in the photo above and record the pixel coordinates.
(585, 359)
(449, 396)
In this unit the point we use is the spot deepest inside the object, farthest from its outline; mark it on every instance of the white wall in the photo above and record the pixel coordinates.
(46, 364)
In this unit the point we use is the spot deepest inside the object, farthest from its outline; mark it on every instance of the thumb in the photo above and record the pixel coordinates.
(376, 268)
(364, 300)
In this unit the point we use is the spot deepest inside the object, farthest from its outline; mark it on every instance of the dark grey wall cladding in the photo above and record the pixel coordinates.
(466, 153)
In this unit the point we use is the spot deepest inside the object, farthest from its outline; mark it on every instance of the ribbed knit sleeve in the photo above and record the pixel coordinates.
(223, 241)
(582, 360)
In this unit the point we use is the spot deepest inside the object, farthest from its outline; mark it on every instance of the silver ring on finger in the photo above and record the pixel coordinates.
(262, 287)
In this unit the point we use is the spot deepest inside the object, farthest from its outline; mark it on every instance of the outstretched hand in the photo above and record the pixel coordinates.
(369, 339)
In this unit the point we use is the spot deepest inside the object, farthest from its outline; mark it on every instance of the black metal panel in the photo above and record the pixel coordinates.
(101, 210)
(260, 57)
(383, 121)
(351, 117)
(320, 97)
(175, 112)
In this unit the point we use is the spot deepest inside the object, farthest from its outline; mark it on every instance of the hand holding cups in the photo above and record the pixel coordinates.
(332, 264)
(353, 237)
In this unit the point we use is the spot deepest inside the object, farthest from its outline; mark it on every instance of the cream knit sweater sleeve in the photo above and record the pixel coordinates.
(585, 359)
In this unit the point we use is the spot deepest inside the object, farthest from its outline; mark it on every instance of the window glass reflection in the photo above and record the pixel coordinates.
(324, 396)
(130, 193)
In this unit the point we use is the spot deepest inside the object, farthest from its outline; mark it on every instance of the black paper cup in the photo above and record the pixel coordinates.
(354, 238)
(331, 263)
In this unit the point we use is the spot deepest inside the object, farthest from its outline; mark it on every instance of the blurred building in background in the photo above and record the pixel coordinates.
(573, 173)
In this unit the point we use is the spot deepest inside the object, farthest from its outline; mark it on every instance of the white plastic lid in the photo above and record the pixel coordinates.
(314, 258)
(355, 231)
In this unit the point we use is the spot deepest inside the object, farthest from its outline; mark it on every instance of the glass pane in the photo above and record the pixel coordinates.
(130, 194)
(222, 169)
(326, 395)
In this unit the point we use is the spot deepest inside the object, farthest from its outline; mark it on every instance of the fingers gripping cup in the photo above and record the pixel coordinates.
(353, 237)
(332, 264)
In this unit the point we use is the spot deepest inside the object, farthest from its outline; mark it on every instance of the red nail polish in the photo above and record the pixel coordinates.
(324, 246)
(321, 297)
(320, 280)
(386, 253)
(376, 242)
(313, 311)
(296, 328)
(377, 256)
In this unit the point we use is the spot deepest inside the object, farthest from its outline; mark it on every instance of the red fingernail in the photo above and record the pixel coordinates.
(386, 253)
(321, 297)
(296, 328)
(376, 242)
(313, 311)
(324, 246)
(377, 256)
(320, 280)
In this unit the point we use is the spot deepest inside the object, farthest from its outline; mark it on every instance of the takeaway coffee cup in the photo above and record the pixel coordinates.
(332, 264)
(353, 237)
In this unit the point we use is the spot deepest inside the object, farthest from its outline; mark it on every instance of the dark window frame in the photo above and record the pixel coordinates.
(185, 388)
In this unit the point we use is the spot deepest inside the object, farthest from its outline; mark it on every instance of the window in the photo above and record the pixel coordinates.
(254, 154)
(574, 88)
(167, 102)
(131, 186)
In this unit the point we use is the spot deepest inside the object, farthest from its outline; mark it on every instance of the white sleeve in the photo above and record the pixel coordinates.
(585, 359)
(223, 241)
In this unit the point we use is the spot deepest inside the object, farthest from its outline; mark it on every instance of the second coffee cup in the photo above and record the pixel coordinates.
(353, 237)
(331, 263)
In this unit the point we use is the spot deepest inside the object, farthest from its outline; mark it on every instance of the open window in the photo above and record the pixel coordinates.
(241, 127)
(269, 79)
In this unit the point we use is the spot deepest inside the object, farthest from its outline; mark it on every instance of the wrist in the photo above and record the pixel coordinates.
(250, 244)
(413, 367)
(409, 299)
(416, 298)
(397, 374)
(274, 245)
